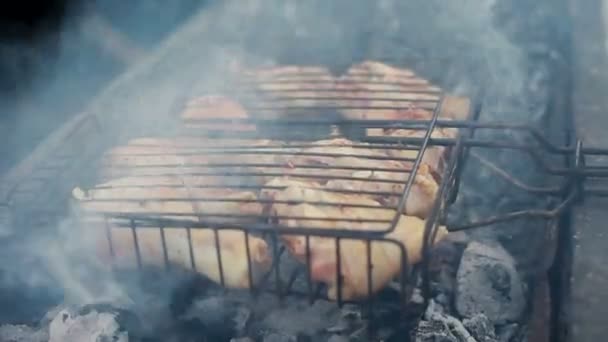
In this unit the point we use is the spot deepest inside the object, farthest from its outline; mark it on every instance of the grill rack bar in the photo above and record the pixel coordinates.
(385, 142)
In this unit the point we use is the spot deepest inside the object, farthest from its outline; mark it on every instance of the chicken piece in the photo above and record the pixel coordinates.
(287, 72)
(337, 206)
(182, 152)
(122, 252)
(150, 180)
(279, 184)
(375, 85)
(199, 111)
(154, 172)
(332, 158)
(377, 173)
(197, 142)
(186, 202)
(344, 152)
(397, 84)
(182, 203)
(232, 160)
(434, 155)
(386, 256)
(292, 86)
(419, 201)
(414, 113)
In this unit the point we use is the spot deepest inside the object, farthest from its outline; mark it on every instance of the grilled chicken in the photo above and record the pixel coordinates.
(414, 114)
(342, 165)
(385, 91)
(347, 212)
(434, 155)
(197, 142)
(231, 160)
(123, 251)
(292, 87)
(279, 184)
(122, 197)
(186, 201)
(412, 98)
(199, 111)
(322, 160)
(389, 187)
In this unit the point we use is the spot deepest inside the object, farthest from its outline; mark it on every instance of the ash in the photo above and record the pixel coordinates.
(481, 280)
(161, 305)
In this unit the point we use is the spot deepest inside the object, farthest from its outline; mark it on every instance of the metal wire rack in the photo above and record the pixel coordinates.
(306, 117)
(317, 112)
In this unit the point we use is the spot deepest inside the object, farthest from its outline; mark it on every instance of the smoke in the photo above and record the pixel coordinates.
(52, 73)
(196, 58)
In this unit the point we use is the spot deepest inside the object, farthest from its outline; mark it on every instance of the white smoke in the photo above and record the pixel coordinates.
(196, 56)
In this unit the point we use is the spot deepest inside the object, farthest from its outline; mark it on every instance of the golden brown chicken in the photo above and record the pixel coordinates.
(122, 253)
(340, 164)
(186, 201)
(434, 156)
(286, 89)
(295, 210)
(222, 160)
(167, 202)
(378, 91)
(201, 110)
(419, 200)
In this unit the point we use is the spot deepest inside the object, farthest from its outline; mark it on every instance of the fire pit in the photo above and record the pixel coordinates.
(472, 286)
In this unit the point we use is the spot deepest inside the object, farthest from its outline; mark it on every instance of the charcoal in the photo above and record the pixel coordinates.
(217, 318)
(22, 333)
(284, 337)
(350, 320)
(338, 338)
(434, 331)
(509, 333)
(480, 328)
(297, 316)
(488, 283)
(437, 314)
(442, 299)
(90, 324)
(242, 339)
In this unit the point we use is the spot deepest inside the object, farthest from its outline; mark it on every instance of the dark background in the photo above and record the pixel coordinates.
(49, 71)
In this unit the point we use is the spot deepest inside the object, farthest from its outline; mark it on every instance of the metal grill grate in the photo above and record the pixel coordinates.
(314, 104)
(310, 103)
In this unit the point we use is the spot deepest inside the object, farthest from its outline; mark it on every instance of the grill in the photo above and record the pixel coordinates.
(305, 109)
